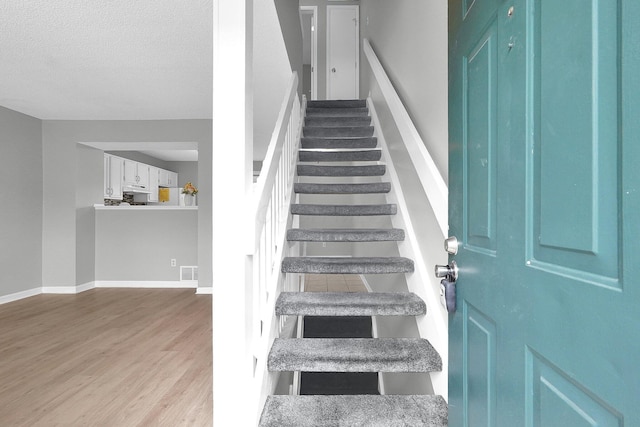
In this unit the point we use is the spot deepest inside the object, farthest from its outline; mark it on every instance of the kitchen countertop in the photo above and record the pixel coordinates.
(145, 208)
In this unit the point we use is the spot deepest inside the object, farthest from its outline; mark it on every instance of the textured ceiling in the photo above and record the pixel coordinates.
(107, 59)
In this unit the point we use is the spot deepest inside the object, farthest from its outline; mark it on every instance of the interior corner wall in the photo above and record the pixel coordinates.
(21, 195)
(410, 39)
(322, 38)
(62, 190)
(289, 17)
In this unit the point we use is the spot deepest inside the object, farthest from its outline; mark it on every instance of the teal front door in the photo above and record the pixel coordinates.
(544, 180)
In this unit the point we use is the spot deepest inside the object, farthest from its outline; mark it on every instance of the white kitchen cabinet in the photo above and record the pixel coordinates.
(168, 178)
(113, 177)
(136, 176)
(154, 180)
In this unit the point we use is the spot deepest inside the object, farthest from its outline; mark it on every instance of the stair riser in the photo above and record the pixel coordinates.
(340, 156)
(319, 236)
(311, 170)
(346, 266)
(349, 304)
(370, 411)
(337, 112)
(338, 132)
(343, 103)
(337, 121)
(301, 188)
(344, 210)
(338, 143)
(353, 355)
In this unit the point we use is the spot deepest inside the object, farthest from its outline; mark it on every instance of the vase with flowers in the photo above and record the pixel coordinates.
(189, 190)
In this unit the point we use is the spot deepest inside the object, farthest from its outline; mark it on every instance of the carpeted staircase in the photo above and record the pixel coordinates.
(334, 132)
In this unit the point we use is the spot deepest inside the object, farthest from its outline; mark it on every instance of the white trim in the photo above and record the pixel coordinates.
(374, 334)
(434, 325)
(148, 284)
(85, 287)
(204, 290)
(314, 49)
(66, 290)
(328, 47)
(429, 175)
(99, 207)
(20, 295)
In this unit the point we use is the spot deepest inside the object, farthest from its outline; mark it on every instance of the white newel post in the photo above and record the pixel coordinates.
(231, 188)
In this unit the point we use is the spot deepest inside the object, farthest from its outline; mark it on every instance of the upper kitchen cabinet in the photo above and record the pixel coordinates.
(136, 176)
(168, 178)
(113, 167)
(154, 181)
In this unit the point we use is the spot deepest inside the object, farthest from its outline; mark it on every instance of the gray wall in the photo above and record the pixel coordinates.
(410, 39)
(89, 191)
(289, 17)
(138, 244)
(63, 233)
(187, 172)
(271, 74)
(21, 195)
(322, 38)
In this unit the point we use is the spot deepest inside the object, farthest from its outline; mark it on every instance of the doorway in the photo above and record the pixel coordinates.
(343, 52)
(308, 21)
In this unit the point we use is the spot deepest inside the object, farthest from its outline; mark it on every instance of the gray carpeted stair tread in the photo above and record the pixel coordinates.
(338, 132)
(339, 156)
(339, 143)
(347, 265)
(368, 188)
(344, 210)
(353, 355)
(336, 112)
(350, 304)
(355, 411)
(338, 103)
(367, 170)
(339, 121)
(345, 235)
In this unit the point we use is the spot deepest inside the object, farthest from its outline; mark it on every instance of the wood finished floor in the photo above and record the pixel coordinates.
(107, 357)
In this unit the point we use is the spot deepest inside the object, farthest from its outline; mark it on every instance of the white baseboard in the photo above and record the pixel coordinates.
(204, 291)
(177, 284)
(67, 290)
(20, 295)
(85, 287)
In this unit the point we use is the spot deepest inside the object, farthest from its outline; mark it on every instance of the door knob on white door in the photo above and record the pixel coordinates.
(333, 70)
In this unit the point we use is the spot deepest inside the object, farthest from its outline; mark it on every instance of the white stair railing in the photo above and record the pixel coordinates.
(273, 196)
(434, 325)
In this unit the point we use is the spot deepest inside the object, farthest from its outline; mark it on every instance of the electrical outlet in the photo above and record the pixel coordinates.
(173, 262)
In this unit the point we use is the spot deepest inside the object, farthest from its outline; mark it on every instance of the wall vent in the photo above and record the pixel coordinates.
(188, 273)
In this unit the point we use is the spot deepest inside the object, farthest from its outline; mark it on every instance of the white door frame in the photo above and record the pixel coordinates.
(314, 48)
(328, 71)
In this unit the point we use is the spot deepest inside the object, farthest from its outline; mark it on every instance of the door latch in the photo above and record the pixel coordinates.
(449, 275)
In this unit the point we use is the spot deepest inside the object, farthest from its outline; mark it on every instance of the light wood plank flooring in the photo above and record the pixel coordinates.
(107, 357)
(334, 283)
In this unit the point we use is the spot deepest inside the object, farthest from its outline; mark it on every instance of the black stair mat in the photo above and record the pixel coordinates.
(337, 327)
(338, 383)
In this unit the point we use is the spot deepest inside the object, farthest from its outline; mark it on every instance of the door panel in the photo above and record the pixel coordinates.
(479, 363)
(343, 49)
(544, 192)
(479, 79)
(576, 115)
(554, 398)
